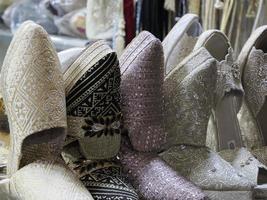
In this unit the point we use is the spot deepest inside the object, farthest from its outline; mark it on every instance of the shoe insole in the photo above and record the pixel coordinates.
(228, 130)
(217, 46)
(262, 176)
(44, 145)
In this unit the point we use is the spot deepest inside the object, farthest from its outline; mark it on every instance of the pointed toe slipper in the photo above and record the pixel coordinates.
(34, 97)
(155, 179)
(104, 179)
(142, 94)
(47, 181)
(113, 184)
(92, 84)
(252, 116)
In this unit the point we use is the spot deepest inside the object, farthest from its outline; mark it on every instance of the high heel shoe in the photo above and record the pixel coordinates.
(34, 97)
(191, 92)
(142, 108)
(252, 116)
(230, 143)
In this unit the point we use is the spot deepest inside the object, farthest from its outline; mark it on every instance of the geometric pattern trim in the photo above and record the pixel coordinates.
(93, 97)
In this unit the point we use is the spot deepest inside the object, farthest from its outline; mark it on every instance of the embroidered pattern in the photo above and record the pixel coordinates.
(142, 92)
(103, 178)
(33, 92)
(255, 80)
(97, 92)
(189, 99)
(93, 102)
(97, 126)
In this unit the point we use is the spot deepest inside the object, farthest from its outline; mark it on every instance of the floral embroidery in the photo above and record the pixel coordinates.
(108, 125)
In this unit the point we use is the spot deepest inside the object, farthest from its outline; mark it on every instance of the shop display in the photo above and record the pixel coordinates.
(146, 99)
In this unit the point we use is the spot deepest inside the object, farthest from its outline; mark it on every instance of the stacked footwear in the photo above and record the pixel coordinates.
(159, 123)
(184, 128)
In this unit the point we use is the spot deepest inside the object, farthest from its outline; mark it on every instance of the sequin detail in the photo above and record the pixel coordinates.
(142, 93)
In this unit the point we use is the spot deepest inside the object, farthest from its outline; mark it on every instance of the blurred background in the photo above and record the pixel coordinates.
(74, 23)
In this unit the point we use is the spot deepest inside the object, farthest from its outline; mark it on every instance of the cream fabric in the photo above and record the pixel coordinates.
(33, 92)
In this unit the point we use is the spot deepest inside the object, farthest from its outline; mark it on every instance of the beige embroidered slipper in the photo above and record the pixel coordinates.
(180, 41)
(228, 92)
(34, 97)
(33, 94)
(92, 84)
(44, 180)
